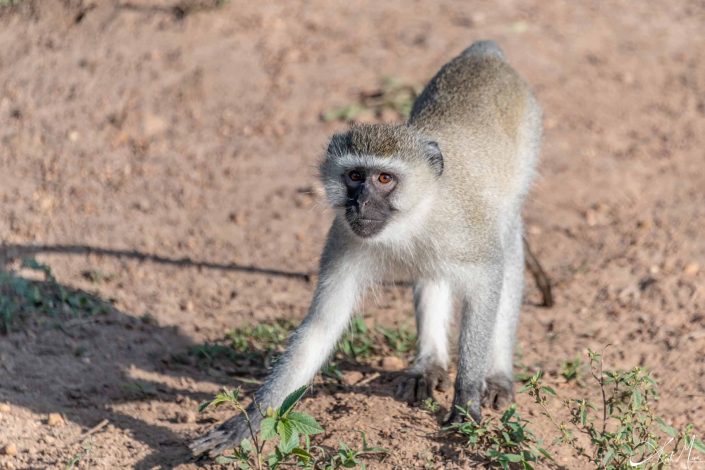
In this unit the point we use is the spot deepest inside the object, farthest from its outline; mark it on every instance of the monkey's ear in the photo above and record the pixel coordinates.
(434, 156)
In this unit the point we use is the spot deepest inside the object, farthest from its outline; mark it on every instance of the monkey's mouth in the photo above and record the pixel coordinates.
(365, 227)
(365, 222)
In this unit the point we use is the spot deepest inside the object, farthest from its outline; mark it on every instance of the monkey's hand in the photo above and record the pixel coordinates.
(226, 436)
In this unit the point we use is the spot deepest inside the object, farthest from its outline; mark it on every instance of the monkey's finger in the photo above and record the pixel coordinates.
(227, 436)
(443, 383)
(503, 399)
(489, 398)
(475, 413)
(406, 390)
(424, 389)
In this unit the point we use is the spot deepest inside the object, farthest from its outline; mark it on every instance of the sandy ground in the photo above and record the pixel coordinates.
(176, 154)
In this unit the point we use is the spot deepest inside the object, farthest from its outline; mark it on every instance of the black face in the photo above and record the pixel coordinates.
(368, 208)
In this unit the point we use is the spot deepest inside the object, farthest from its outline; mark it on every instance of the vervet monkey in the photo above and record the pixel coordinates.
(437, 200)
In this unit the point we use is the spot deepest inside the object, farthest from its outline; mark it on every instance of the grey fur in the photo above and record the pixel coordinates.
(456, 228)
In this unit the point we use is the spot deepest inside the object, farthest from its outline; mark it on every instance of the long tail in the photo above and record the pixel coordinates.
(543, 282)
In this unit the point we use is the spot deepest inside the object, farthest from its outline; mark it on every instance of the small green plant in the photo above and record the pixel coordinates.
(140, 390)
(400, 340)
(209, 352)
(23, 299)
(571, 369)
(357, 342)
(86, 449)
(250, 350)
(347, 457)
(505, 443)
(621, 430)
(332, 371)
(269, 337)
(392, 95)
(430, 405)
(288, 432)
(97, 276)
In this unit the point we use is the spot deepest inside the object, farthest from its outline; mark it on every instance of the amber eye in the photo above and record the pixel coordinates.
(385, 178)
(355, 175)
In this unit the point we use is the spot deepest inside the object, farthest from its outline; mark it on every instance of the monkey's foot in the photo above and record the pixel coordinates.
(499, 391)
(418, 386)
(469, 399)
(226, 436)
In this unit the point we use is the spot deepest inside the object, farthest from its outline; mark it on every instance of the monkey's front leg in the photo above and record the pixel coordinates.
(338, 291)
(433, 302)
(479, 311)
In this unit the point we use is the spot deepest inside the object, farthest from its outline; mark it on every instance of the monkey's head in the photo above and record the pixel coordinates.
(377, 175)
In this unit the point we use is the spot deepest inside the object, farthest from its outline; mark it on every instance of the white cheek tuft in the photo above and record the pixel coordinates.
(336, 193)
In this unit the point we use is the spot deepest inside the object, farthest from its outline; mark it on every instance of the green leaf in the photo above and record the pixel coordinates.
(371, 449)
(226, 396)
(513, 457)
(275, 459)
(304, 424)
(583, 415)
(267, 428)
(301, 454)
(285, 430)
(545, 453)
(246, 446)
(698, 445)
(637, 399)
(225, 459)
(549, 390)
(289, 441)
(291, 400)
(670, 430)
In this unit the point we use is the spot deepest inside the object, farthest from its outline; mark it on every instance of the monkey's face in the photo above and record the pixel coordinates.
(381, 179)
(368, 207)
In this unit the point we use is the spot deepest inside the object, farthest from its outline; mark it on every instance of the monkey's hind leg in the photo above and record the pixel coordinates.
(433, 301)
(499, 382)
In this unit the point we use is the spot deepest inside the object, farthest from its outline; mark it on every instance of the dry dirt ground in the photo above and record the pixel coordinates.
(164, 159)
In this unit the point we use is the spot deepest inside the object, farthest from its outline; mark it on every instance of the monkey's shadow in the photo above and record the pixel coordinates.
(74, 353)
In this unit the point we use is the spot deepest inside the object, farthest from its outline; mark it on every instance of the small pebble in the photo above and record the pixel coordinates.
(392, 363)
(352, 377)
(10, 449)
(55, 420)
(4, 408)
(691, 269)
(186, 417)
